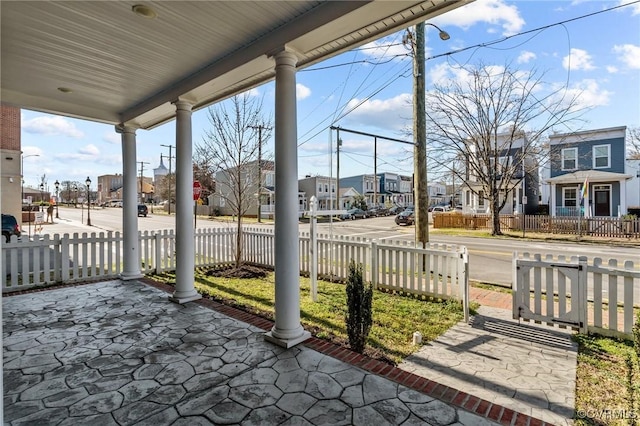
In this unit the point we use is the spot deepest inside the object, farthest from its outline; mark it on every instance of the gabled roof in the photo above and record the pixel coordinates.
(592, 176)
(348, 192)
(100, 61)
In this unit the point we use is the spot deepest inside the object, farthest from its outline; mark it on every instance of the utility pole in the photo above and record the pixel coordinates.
(142, 163)
(260, 127)
(420, 136)
(421, 195)
(170, 157)
(338, 143)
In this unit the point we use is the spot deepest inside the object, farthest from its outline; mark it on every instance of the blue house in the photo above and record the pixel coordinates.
(593, 159)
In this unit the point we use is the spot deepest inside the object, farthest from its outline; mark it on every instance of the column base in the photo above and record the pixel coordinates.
(181, 300)
(128, 276)
(286, 343)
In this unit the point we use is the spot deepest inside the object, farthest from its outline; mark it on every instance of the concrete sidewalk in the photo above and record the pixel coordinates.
(528, 368)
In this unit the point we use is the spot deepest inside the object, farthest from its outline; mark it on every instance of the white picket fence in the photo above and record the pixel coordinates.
(573, 292)
(436, 270)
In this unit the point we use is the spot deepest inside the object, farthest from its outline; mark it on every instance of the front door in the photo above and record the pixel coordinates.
(602, 202)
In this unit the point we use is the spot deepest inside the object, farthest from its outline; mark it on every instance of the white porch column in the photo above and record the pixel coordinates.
(185, 244)
(130, 245)
(552, 208)
(623, 198)
(287, 330)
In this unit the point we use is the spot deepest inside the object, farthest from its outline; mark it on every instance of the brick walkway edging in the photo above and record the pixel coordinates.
(473, 404)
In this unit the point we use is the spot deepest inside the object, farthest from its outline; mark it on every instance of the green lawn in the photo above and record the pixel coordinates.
(607, 389)
(395, 317)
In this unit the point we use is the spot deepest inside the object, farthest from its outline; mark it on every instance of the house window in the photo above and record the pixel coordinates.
(319, 188)
(481, 199)
(569, 197)
(569, 158)
(601, 156)
(326, 187)
(333, 188)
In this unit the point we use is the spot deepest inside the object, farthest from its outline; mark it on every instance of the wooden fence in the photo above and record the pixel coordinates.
(593, 226)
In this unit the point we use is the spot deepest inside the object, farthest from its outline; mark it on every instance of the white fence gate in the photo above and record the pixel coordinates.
(548, 278)
(586, 296)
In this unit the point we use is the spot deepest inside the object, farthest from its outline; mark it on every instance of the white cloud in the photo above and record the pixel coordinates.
(89, 150)
(52, 126)
(589, 94)
(112, 138)
(629, 55)
(385, 48)
(578, 59)
(526, 56)
(302, 91)
(494, 12)
(611, 69)
(382, 113)
(635, 8)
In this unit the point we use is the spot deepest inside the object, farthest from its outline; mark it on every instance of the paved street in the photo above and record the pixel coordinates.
(490, 260)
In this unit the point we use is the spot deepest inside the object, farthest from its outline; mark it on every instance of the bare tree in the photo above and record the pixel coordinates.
(166, 187)
(231, 149)
(488, 117)
(633, 143)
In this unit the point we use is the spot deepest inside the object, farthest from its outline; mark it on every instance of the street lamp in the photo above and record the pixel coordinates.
(88, 183)
(57, 184)
(22, 172)
(42, 196)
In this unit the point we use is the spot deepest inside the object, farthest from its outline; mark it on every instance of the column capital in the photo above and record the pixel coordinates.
(126, 128)
(285, 56)
(183, 104)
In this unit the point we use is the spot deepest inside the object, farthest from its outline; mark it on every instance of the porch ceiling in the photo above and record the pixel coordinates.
(123, 68)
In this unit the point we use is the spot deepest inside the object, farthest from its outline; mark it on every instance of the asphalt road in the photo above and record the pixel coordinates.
(490, 259)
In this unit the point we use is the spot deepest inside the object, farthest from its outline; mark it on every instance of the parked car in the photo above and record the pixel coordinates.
(142, 210)
(352, 214)
(377, 211)
(396, 209)
(405, 218)
(10, 227)
(439, 209)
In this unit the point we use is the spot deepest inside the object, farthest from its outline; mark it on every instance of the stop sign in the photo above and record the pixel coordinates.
(196, 190)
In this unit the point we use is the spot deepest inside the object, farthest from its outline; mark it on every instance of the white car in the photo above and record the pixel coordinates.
(440, 209)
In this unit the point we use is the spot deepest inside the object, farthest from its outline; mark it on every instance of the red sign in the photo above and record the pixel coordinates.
(196, 190)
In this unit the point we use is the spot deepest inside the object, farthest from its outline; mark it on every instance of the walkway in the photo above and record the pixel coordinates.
(118, 353)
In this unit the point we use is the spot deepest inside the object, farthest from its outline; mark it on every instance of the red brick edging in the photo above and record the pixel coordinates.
(481, 407)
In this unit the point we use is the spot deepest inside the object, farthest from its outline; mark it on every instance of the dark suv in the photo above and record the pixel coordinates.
(10, 227)
(142, 210)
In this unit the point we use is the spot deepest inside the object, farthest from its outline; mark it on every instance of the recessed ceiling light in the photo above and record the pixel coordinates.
(65, 89)
(144, 11)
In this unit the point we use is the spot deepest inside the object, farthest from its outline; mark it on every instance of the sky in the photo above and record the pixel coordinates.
(369, 90)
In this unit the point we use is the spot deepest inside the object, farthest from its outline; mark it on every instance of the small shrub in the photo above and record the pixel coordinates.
(359, 315)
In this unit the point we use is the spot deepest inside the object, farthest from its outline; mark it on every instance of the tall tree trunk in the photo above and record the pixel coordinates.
(239, 243)
(495, 213)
